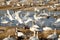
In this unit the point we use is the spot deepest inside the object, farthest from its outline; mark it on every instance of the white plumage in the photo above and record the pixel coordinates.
(9, 38)
(52, 36)
(59, 37)
(28, 20)
(18, 4)
(44, 13)
(37, 18)
(20, 34)
(8, 2)
(33, 38)
(9, 15)
(34, 28)
(47, 28)
(36, 9)
(58, 20)
(4, 21)
(18, 18)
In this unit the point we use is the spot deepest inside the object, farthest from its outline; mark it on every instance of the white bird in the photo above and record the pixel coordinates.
(33, 38)
(23, 4)
(47, 28)
(4, 21)
(9, 15)
(59, 37)
(55, 14)
(18, 4)
(57, 22)
(9, 38)
(33, 29)
(37, 18)
(43, 13)
(36, 9)
(27, 14)
(8, 2)
(53, 6)
(22, 1)
(18, 33)
(49, 21)
(53, 36)
(28, 20)
(17, 17)
(56, 4)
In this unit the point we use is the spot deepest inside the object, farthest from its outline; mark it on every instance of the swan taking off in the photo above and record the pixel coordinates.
(53, 36)
(43, 13)
(17, 17)
(9, 15)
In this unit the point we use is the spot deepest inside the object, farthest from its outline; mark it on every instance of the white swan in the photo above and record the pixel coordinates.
(9, 15)
(59, 37)
(19, 34)
(47, 28)
(9, 38)
(4, 21)
(18, 18)
(18, 4)
(37, 18)
(8, 2)
(53, 36)
(33, 29)
(57, 22)
(36, 9)
(27, 14)
(28, 20)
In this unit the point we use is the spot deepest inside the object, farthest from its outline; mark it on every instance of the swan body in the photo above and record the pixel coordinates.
(4, 22)
(47, 28)
(52, 36)
(9, 15)
(18, 18)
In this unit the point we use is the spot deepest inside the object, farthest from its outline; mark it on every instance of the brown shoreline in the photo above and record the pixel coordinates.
(11, 31)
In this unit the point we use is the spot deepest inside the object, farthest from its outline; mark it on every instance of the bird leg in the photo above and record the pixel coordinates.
(34, 33)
